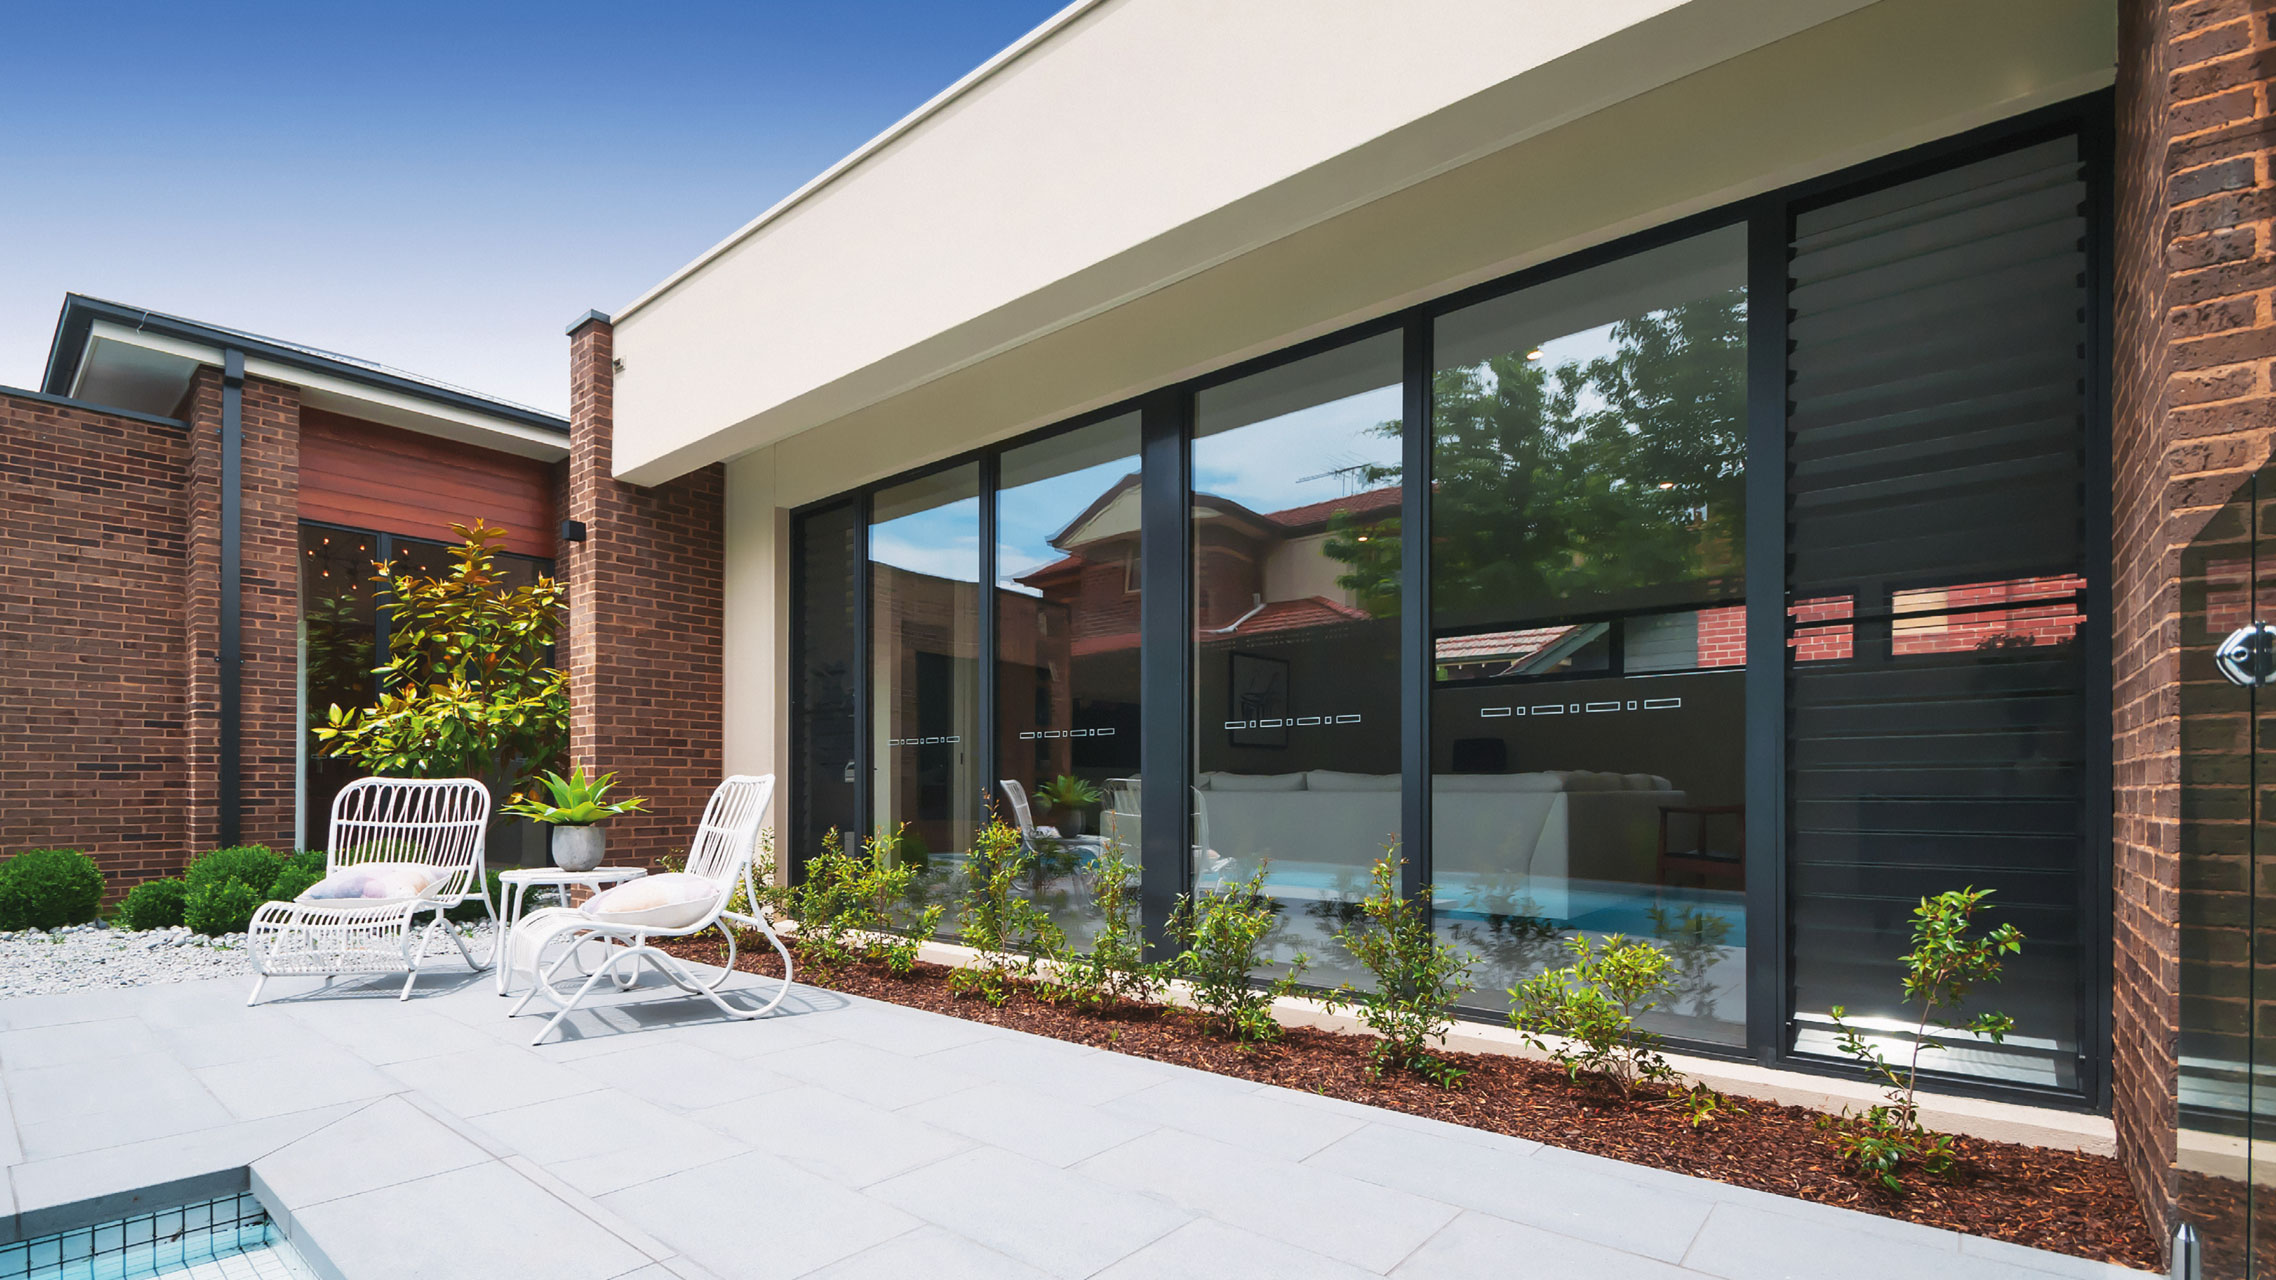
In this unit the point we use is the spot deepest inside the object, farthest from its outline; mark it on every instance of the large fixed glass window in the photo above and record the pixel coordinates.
(1587, 562)
(1067, 524)
(1295, 505)
(924, 611)
(824, 683)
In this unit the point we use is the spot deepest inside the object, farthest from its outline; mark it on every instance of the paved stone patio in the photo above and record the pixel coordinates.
(839, 1138)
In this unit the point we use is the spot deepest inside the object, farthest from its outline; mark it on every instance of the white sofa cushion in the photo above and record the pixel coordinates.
(1255, 781)
(1338, 780)
(1504, 783)
(373, 882)
(674, 900)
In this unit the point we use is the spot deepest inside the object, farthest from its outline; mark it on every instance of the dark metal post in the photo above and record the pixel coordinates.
(1165, 681)
(1416, 661)
(232, 639)
(864, 665)
(1767, 240)
(990, 755)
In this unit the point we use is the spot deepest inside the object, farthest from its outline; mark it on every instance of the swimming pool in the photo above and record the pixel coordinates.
(229, 1238)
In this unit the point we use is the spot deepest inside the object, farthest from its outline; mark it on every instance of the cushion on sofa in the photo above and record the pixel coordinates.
(674, 900)
(1338, 780)
(1255, 781)
(373, 881)
(1535, 783)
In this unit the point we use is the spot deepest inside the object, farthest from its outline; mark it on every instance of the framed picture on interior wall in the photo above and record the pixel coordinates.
(1257, 701)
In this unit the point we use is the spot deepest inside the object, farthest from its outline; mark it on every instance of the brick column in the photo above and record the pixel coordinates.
(269, 638)
(2192, 415)
(645, 618)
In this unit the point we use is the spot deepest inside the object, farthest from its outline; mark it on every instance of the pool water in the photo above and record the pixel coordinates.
(230, 1238)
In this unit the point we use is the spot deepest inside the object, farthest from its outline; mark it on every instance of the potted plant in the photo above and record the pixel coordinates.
(1069, 795)
(579, 806)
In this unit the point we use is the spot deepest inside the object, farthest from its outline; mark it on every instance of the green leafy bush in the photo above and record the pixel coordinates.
(154, 904)
(49, 888)
(299, 872)
(1593, 1004)
(845, 907)
(253, 865)
(221, 906)
(1945, 963)
(1417, 977)
(1010, 932)
(470, 911)
(1115, 967)
(1223, 934)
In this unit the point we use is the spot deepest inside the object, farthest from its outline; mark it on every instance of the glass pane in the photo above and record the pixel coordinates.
(822, 732)
(1296, 664)
(1588, 707)
(1067, 518)
(339, 647)
(924, 550)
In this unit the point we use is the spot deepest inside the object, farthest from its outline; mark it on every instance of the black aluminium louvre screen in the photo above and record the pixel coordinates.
(1936, 690)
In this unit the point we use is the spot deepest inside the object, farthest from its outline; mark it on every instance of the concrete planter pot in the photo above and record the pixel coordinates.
(579, 848)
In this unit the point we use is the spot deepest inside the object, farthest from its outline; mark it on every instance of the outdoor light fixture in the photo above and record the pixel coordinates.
(1534, 354)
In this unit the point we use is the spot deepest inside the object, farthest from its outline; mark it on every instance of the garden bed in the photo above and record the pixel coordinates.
(2063, 1201)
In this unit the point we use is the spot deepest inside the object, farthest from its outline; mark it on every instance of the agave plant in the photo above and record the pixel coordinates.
(577, 801)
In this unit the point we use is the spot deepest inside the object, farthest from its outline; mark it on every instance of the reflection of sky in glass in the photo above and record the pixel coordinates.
(1276, 464)
(943, 542)
(1027, 516)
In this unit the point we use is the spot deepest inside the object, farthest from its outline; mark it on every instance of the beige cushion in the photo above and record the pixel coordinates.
(1534, 783)
(1338, 780)
(373, 881)
(672, 901)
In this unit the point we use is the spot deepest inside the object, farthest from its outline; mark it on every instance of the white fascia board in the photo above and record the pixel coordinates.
(358, 400)
(1144, 142)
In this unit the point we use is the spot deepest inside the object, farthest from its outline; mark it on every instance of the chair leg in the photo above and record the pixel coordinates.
(582, 992)
(255, 998)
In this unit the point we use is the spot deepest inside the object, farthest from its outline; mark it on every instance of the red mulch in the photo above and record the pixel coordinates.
(2058, 1200)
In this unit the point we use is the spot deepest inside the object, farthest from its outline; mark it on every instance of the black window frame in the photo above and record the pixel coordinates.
(1164, 570)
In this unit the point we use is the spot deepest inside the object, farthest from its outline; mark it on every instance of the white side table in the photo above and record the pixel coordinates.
(514, 885)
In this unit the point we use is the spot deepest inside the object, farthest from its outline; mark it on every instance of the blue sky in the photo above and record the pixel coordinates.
(440, 187)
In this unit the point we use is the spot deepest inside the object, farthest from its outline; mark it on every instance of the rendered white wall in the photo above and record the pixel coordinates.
(755, 652)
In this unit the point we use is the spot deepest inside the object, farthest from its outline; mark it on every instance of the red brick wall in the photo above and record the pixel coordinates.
(91, 642)
(645, 621)
(2192, 412)
(270, 602)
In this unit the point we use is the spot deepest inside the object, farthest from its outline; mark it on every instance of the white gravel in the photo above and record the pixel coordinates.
(85, 957)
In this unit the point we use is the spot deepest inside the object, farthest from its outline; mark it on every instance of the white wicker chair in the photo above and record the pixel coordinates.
(725, 842)
(441, 822)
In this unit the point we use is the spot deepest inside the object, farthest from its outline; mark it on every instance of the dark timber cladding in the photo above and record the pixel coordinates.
(1937, 472)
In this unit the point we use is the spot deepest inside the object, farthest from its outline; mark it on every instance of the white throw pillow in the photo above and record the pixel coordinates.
(1338, 780)
(674, 900)
(373, 881)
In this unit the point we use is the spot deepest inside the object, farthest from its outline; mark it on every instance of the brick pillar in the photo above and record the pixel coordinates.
(645, 619)
(269, 637)
(2192, 413)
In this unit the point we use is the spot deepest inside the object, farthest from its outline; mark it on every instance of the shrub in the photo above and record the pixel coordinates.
(1115, 967)
(253, 865)
(1945, 963)
(1222, 933)
(467, 912)
(299, 871)
(844, 907)
(1417, 977)
(1009, 932)
(154, 904)
(1593, 1003)
(221, 906)
(49, 888)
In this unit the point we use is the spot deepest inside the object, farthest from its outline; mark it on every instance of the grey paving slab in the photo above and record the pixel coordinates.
(1583, 1202)
(1206, 1249)
(1365, 1223)
(1035, 1125)
(379, 1144)
(1479, 1246)
(843, 1139)
(494, 1078)
(757, 1216)
(1050, 1218)
(932, 1254)
(485, 1220)
(606, 1140)
(1239, 1113)
(681, 1076)
(875, 1076)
